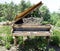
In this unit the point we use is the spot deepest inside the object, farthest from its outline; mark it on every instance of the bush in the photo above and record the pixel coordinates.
(56, 33)
(7, 46)
(56, 37)
(58, 23)
(20, 40)
(9, 39)
(55, 41)
(37, 43)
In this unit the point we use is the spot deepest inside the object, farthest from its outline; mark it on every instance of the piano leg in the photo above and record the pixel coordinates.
(15, 40)
(48, 40)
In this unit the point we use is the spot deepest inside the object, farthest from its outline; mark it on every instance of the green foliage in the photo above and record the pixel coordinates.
(7, 36)
(51, 49)
(9, 39)
(58, 23)
(28, 4)
(45, 13)
(54, 18)
(55, 40)
(5, 30)
(36, 13)
(56, 33)
(20, 40)
(8, 11)
(56, 37)
(45, 22)
(22, 6)
(38, 43)
(7, 46)
(0, 38)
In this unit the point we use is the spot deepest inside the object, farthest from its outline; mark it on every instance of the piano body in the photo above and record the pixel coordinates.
(23, 26)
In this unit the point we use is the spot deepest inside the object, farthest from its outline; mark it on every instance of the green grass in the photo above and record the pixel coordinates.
(5, 29)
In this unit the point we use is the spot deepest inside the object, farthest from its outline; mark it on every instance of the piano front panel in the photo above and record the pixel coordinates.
(31, 33)
(31, 30)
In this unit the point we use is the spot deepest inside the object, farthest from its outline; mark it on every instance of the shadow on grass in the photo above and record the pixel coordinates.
(35, 44)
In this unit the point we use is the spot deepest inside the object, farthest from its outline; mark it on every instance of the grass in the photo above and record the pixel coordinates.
(5, 30)
(5, 33)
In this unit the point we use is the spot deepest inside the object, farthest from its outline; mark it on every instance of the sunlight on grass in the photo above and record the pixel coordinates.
(5, 30)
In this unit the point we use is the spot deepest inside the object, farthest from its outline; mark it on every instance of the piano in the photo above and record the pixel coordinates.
(26, 25)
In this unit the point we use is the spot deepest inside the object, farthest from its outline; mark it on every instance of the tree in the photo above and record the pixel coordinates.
(22, 6)
(45, 13)
(1, 10)
(54, 18)
(9, 11)
(28, 4)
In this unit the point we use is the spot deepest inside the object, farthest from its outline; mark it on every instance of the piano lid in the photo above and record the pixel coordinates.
(23, 14)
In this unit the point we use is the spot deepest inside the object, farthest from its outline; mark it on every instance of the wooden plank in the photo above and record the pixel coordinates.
(30, 33)
(31, 29)
(31, 26)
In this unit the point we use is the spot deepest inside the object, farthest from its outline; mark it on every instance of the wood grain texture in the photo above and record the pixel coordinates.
(31, 26)
(26, 33)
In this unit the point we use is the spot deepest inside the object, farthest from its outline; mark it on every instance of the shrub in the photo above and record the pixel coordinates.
(58, 23)
(37, 43)
(7, 46)
(9, 38)
(56, 33)
(20, 40)
(55, 40)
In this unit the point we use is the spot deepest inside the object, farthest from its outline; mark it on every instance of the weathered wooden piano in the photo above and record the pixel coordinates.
(25, 25)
